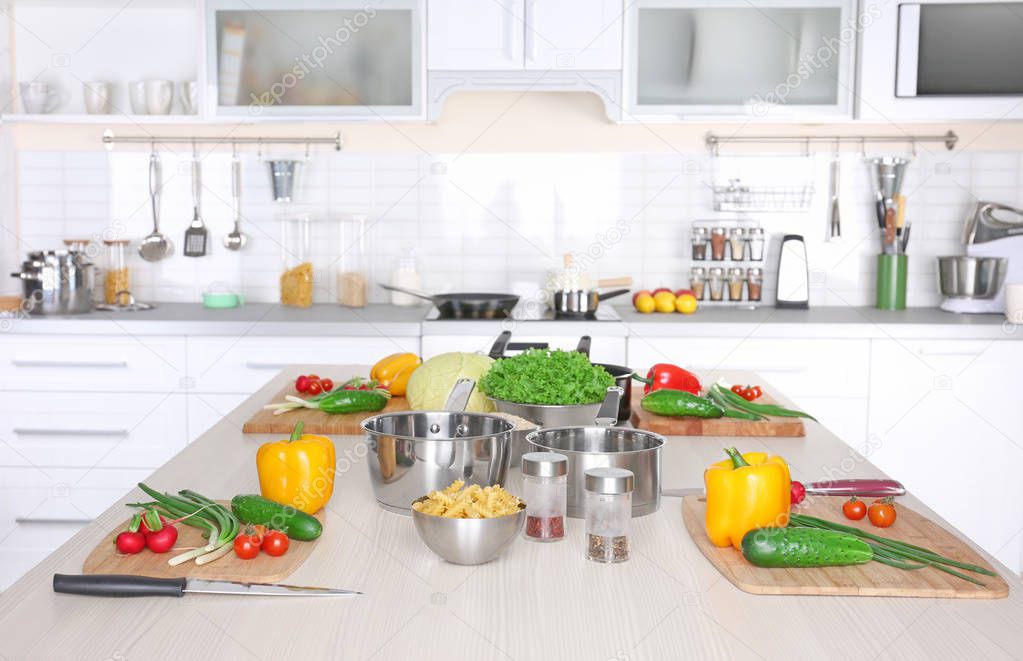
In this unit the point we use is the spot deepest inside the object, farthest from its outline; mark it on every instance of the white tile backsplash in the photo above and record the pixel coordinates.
(484, 221)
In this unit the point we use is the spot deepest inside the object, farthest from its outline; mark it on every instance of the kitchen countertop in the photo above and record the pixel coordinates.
(257, 319)
(535, 601)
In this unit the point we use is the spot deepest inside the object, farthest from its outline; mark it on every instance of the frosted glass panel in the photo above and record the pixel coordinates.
(315, 58)
(738, 55)
(971, 49)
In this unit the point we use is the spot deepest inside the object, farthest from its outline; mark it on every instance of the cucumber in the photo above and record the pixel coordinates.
(257, 510)
(803, 547)
(680, 403)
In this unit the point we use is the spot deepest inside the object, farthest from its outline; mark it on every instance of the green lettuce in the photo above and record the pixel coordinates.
(539, 376)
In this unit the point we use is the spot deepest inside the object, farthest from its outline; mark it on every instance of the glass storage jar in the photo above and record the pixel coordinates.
(755, 238)
(736, 278)
(698, 281)
(352, 274)
(545, 490)
(755, 283)
(717, 244)
(699, 239)
(297, 266)
(717, 283)
(117, 276)
(737, 243)
(608, 514)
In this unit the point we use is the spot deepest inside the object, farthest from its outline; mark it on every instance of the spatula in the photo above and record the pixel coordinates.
(196, 234)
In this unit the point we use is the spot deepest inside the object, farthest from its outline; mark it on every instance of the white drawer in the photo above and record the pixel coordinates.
(243, 365)
(105, 431)
(92, 364)
(207, 409)
(14, 563)
(68, 496)
(797, 367)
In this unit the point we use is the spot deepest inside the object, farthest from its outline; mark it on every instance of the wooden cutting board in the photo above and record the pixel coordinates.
(104, 559)
(672, 426)
(870, 580)
(316, 422)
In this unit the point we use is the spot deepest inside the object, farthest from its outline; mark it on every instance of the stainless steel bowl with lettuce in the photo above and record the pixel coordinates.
(547, 377)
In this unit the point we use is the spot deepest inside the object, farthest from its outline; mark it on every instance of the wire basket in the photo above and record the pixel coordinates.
(737, 196)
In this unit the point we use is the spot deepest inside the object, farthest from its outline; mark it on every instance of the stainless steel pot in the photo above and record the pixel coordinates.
(57, 282)
(602, 447)
(581, 302)
(549, 415)
(971, 277)
(415, 452)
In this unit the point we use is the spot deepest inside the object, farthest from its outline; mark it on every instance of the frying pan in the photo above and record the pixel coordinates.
(466, 306)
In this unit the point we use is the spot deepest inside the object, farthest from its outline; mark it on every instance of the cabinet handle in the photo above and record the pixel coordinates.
(510, 30)
(530, 33)
(25, 431)
(55, 519)
(113, 364)
(266, 366)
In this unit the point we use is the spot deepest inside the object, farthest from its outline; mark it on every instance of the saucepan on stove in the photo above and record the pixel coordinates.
(466, 306)
(580, 303)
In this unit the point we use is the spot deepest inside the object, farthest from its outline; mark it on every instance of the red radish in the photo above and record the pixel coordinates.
(144, 527)
(162, 540)
(641, 292)
(129, 542)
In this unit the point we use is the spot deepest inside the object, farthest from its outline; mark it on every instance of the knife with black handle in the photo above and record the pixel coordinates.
(122, 585)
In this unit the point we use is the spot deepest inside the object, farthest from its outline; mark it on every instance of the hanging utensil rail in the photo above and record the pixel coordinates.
(949, 139)
(109, 140)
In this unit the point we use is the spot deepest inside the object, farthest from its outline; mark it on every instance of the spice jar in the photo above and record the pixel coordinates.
(698, 281)
(736, 278)
(699, 239)
(755, 282)
(351, 272)
(117, 279)
(717, 283)
(608, 514)
(737, 243)
(755, 238)
(717, 243)
(297, 274)
(545, 490)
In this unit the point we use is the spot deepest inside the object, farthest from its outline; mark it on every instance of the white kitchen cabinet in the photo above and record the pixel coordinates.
(573, 34)
(243, 365)
(604, 349)
(945, 419)
(207, 409)
(464, 35)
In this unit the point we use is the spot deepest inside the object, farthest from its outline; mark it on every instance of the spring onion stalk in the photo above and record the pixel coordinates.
(220, 526)
(738, 402)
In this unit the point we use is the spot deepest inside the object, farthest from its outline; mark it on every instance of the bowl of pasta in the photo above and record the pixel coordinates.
(468, 525)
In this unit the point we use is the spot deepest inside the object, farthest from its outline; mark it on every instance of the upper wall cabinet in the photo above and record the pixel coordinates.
(515, 35)
(940, 60)
(779, 59)
(343, 58)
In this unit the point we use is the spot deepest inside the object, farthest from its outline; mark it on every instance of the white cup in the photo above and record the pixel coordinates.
(188, 92)
(38, 97)
(137, 96)
(1014, 303)
(159, 96)
(96, 95)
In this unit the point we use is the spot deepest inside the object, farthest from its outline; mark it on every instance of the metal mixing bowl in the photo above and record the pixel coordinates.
(468, 541)
(547, 415)
(414, 452)
(971, 277)
(600, 447)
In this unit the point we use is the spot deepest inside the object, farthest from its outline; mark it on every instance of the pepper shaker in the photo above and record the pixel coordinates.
(608, 514)
(545, 490)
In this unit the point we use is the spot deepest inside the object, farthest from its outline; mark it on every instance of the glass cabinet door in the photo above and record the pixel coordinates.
(315, 57)
(726, 58)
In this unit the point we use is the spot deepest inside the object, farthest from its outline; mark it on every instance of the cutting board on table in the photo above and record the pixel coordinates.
(316, 421)
(105, 559)
(869, 580)
(686, 426)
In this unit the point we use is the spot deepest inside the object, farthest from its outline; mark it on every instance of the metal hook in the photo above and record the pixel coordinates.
(307, 150)
(806, 147)
(912, 144)
(234, 149)
(195, 151)
(863, 147)
(259, 149)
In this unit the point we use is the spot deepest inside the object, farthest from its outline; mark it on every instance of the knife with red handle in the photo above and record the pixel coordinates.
(849, 487)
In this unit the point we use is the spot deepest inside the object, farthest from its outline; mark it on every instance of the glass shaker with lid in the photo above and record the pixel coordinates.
(545, 490)
(699, 240)
(737, 243)
(698, 281)
(717, 243)
(736, 278)
(608, 514)
(755, 238)
(717, 283)
(755, 283)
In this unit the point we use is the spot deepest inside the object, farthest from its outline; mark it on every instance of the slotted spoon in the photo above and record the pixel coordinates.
(155, 246)
(196, 235)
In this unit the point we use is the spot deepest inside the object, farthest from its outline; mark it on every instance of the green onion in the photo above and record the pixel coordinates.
(220, 526)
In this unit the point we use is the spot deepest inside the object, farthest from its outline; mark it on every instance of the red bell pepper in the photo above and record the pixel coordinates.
(673, 377)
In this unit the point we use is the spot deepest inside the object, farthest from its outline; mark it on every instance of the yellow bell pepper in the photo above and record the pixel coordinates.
(744, 492)
(298, 472)
(393, 372)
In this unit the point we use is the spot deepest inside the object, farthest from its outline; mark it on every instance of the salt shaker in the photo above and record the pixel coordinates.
(608, 514)
(545, 490)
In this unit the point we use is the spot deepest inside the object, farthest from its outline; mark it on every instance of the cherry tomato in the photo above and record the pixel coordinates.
(302, 383)
(246, 546)
(854, 509)
(882, 512)
(314, 377)
(737, 389)
(327, 385)
(798, 492)
(314, 388)
(275, 543)
(748, 395)
(757, 391)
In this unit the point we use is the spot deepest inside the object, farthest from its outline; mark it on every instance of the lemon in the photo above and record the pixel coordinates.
(645, 304)
(686, 304)
(664, 301)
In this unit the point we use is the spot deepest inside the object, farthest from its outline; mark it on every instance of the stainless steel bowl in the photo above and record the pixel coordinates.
(547, 415)
(468, 541)
(600, 447)
(415, 452)
(971, 277)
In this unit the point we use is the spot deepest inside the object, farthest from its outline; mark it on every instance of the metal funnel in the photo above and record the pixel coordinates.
(887, 175)
(283, 174)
